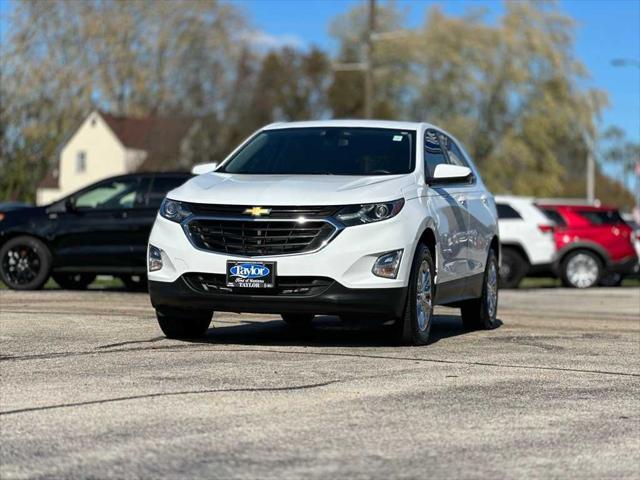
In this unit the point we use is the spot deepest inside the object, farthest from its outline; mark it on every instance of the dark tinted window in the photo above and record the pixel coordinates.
(602, 217)
(455, 154)
(161, 186)
(507, 211)
(554, 216)
(433, 153)
(326, 151)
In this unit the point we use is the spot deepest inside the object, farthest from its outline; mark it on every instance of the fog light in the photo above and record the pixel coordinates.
(387, 265)
(155, 258)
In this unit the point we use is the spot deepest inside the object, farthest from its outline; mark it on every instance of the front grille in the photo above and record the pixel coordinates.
(280, 212)
(297, 286)
(259, 238)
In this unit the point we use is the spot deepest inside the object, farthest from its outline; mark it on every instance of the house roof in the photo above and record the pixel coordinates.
(50, 180)
(160, 137)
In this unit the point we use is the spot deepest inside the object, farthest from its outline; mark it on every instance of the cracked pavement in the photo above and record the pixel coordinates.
(90, 388)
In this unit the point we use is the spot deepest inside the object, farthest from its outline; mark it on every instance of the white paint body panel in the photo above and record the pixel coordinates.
(349, 257)
(539, 246)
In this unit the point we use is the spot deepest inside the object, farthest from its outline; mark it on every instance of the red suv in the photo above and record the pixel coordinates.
(594, 245)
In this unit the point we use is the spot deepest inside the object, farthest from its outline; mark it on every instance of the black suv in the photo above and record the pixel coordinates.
(101, 229)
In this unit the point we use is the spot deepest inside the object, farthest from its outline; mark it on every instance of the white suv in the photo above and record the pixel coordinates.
(373, 218)
(526, 237)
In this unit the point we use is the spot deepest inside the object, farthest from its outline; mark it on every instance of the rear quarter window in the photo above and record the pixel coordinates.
(507, 212)
(554, 216)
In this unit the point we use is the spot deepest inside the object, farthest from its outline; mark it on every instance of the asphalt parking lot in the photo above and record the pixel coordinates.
(90, 389)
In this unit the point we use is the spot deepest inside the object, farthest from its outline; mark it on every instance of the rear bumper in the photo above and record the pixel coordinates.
(336, 299)
(626, 266)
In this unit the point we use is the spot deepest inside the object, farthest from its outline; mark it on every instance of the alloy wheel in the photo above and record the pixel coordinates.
(424, 296)
(492, 289)
(21, 264)
(583, 270)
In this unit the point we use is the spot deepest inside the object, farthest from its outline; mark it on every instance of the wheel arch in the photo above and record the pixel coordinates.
(495, 246)
(518, 248)
(13, 234)
(428, 238)
(594, 248)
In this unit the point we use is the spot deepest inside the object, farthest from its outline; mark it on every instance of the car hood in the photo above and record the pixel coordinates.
(234, 189)
(21, 216)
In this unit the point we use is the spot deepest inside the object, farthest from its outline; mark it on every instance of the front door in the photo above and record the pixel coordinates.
(449, 204)
(94, 233)
(480, 208)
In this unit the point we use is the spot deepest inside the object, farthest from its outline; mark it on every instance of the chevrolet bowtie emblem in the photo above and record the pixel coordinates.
(257, 211)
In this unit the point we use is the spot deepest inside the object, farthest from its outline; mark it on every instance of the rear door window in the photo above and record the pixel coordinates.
(554, 216)
(507, 212)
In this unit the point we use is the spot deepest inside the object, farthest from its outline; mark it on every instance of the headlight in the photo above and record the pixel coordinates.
(174, 210)
(369, 213)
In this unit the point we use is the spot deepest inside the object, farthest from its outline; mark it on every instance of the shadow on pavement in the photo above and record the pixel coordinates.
(327, 331)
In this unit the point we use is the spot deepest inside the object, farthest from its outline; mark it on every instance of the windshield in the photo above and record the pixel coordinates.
(326, 151)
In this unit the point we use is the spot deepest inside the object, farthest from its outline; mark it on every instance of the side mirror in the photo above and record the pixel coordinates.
(201, 168)
(70, 204)
(445, 173)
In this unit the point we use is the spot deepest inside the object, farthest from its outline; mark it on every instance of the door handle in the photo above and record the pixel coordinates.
(462, 200)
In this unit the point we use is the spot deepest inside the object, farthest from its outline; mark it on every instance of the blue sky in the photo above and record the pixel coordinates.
(605, 30)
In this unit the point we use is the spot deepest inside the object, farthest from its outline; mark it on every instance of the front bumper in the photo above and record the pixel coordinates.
(347, 259)
(332, 299)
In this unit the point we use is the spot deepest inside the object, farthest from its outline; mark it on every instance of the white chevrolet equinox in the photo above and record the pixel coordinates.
(353, 218)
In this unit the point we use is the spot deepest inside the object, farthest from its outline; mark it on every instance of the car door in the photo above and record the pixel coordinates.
(448, 203)
(480, 207)
(93, 233)
(153, 189)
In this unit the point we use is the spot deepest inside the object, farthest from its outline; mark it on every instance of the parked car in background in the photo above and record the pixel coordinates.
(526, 237)
(101, 229)
(347, 218)
(595, 245)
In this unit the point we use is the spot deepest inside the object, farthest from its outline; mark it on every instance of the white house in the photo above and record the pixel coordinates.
(105, 145)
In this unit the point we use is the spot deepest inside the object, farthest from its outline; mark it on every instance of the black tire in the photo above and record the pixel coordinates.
(25, 263)
(513, 268)
(611, 280)
(135, 283)
(413, 329)
(74, 281)
(581, 269)
(298, 320)
(184, 323)
(480, 313)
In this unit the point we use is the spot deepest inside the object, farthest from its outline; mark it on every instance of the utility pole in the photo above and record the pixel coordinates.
(368, 61)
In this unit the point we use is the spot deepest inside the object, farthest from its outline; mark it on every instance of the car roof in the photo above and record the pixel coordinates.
(353, 123)
(588, 208)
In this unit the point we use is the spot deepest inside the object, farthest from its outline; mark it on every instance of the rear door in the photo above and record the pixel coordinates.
(449, 204)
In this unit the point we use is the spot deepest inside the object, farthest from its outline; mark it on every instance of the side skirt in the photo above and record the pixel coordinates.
(456, 291)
